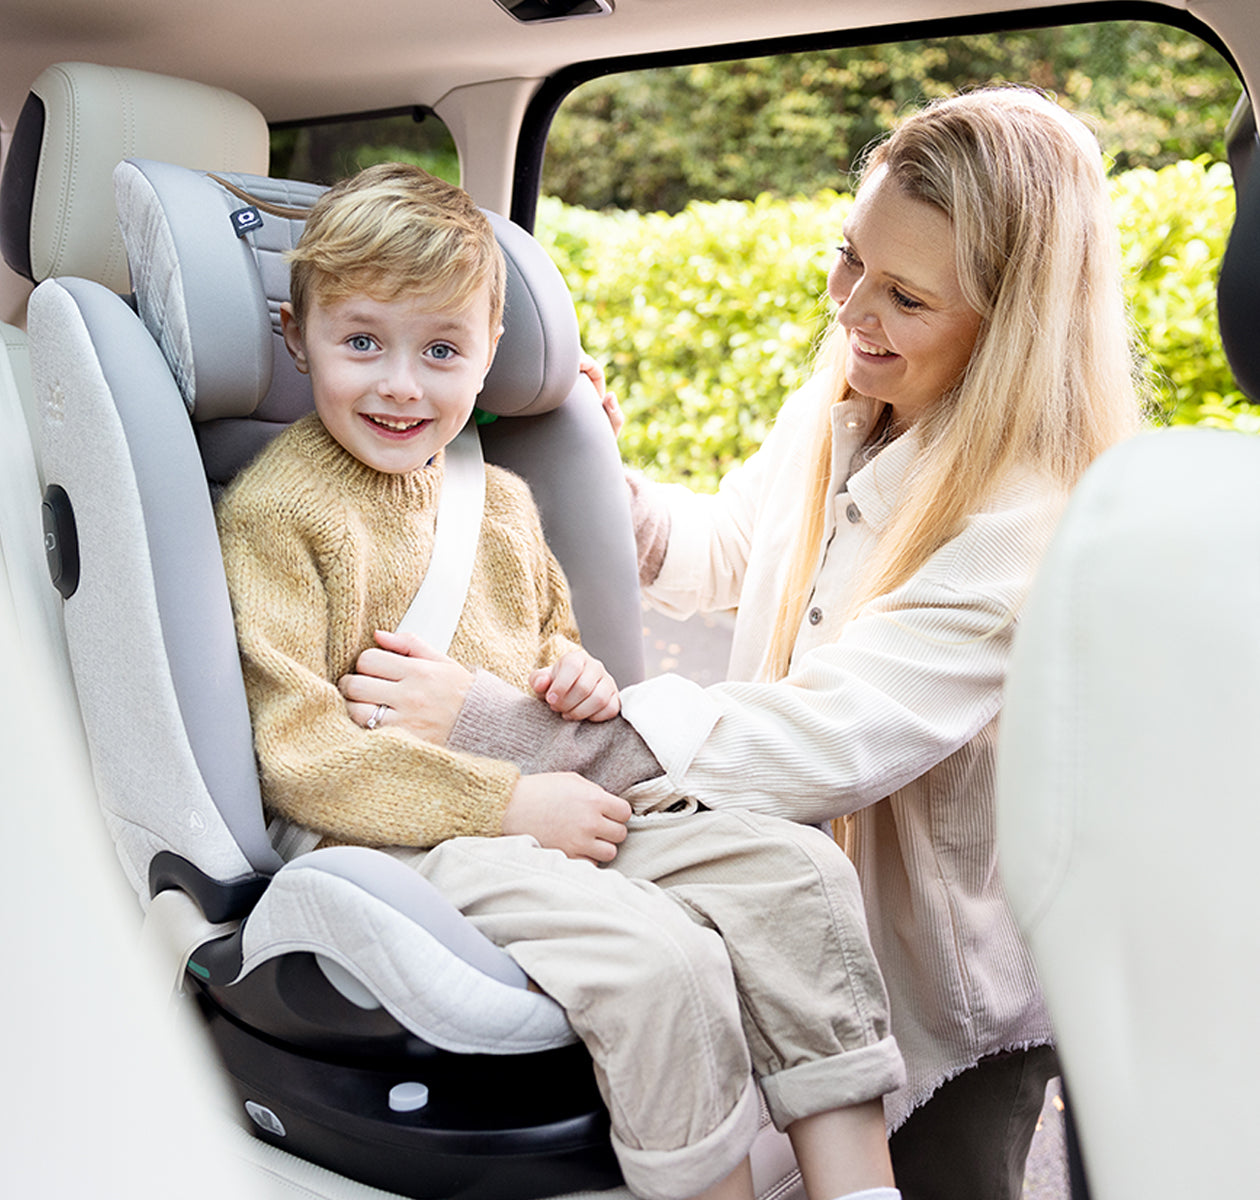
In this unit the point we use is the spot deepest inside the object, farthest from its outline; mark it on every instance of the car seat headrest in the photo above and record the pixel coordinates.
(80, 119)
(210, 295)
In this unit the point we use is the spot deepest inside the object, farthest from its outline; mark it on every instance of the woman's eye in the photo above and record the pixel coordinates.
(848, 257)
(901, 300)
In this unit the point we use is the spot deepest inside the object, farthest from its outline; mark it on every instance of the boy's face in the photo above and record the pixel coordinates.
(394, 380)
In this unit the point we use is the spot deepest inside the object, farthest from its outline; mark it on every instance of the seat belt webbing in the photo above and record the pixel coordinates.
(439, 601)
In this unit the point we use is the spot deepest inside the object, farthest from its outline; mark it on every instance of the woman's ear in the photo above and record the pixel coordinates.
(292, 334)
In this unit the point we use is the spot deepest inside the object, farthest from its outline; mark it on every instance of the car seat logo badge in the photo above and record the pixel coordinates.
(246, 220)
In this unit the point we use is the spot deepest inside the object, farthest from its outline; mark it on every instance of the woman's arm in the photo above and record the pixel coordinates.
(913, 677)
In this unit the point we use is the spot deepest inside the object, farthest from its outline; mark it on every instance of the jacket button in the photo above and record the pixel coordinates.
(815, 615)
(853, 513)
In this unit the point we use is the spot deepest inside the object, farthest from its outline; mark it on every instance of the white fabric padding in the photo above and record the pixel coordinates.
(95, 116)
(156, 277)
(423, 984)
(147, 778)
(1128, 814)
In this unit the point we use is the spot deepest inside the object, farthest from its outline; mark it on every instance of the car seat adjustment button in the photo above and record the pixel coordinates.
(265, 1119)
(408, 1097)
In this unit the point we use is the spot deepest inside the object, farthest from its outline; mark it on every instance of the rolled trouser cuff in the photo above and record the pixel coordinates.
(841, 1081)
(687, 1171)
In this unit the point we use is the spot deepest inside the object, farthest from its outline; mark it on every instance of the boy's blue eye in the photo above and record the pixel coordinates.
(360, 342)
(442, 350)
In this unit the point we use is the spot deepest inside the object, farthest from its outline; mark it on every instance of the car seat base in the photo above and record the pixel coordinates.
(483, 1127)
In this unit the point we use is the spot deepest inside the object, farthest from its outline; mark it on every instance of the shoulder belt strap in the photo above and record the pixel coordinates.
(434, 613)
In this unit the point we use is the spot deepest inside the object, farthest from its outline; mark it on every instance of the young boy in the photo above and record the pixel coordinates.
(681, 990)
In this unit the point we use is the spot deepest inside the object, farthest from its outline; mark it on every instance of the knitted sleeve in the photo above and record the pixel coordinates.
(319, 768)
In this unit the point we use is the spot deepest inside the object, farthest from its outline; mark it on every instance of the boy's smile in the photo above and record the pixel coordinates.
(394, 380)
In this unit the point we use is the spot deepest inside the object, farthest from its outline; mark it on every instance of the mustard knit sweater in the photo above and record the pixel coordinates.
(321, 551)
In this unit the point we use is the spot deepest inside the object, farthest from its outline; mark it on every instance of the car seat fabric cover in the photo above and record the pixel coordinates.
(408, 946)
(102, 385)
(1127, 808)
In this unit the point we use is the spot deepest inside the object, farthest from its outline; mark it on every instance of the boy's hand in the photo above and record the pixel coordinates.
(419, 688)
(569, 813)
(578, 687)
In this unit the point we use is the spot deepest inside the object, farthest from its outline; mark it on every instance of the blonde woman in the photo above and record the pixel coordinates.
(877, 550)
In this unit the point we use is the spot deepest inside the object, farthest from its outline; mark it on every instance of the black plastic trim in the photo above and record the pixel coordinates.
(61, 540)
(531, 143)
(219, 900)
(417, 112)
(17, 186)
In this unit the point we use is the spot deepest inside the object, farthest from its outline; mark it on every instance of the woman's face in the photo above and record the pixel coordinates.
(910, 332)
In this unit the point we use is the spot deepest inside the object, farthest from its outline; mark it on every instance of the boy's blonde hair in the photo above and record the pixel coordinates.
(392, 230)
(1051, 382)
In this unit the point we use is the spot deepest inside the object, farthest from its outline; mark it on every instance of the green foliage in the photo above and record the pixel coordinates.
(703, 320)
(788, 124)
(1174, 224)
(706, 319)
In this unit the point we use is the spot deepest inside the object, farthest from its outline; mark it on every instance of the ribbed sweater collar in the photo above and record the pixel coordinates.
(356, 479)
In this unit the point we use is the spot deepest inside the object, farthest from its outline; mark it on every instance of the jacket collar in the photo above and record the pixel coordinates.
(877, 485)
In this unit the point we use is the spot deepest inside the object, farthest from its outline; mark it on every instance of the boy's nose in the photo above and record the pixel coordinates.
(401, 382)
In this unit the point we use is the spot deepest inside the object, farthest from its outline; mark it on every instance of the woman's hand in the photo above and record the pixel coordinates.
(595, 373)
(566, 812)
(403, 681)
(578, 687)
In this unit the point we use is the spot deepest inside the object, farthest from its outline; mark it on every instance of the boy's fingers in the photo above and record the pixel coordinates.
(540, 680)
(566, 673)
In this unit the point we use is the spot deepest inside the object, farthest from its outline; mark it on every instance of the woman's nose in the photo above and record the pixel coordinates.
(854, 306)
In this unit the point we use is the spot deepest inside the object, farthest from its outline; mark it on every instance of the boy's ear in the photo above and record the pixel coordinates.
(292, 334)
(494, 345)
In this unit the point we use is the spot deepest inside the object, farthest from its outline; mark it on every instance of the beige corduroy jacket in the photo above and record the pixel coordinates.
(888, 718)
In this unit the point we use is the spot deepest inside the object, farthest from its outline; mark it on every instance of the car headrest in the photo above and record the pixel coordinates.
(210, 295)
(80, 119)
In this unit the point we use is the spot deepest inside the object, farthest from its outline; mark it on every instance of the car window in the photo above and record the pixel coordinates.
(325, 151)
(695, 209)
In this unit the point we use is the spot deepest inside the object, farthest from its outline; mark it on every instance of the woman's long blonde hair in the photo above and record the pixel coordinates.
(1051, 382)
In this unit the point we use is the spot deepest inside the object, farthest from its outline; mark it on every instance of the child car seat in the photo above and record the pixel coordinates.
(1127, 792)
(368, 1027)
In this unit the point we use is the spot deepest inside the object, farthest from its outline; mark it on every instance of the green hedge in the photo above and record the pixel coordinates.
(705, 319)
